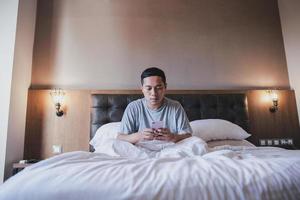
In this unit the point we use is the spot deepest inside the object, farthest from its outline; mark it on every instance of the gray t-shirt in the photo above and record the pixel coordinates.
(138, 116)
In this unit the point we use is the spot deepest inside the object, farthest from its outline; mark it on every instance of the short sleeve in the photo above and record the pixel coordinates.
(183, 125)
(128, 120)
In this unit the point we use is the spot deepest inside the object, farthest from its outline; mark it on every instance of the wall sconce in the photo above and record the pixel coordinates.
(57, 98)
(274, 97)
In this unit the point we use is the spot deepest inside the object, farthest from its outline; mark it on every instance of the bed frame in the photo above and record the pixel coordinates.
(107, 108)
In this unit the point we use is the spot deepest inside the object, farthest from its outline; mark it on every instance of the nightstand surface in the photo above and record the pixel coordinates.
(17, 167)
(21, 165)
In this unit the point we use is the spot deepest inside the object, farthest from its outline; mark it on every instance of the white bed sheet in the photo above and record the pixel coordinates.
(228, 173)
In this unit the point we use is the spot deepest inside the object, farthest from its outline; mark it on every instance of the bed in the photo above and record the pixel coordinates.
(222, 169)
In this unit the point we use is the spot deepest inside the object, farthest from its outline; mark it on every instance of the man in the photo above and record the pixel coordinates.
(154, 107)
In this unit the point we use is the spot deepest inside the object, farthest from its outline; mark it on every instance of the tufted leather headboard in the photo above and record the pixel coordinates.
(107, 108)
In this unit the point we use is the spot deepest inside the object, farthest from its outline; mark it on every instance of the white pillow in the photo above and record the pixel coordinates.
(104, 135)
(217, 129)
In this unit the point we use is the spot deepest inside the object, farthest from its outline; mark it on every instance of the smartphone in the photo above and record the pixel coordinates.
(157, 125)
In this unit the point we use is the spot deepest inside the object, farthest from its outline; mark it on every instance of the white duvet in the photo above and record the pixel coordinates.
(191, 171)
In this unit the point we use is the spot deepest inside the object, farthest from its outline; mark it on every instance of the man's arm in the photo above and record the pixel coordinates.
(133, 138)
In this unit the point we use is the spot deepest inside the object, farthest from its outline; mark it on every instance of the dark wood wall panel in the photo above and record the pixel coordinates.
(264, 124)
(44, 128)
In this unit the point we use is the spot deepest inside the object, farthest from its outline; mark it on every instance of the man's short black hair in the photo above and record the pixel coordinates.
(153, 71)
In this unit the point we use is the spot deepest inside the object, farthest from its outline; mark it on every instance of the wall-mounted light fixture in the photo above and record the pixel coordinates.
(274, 97)
(57, 98)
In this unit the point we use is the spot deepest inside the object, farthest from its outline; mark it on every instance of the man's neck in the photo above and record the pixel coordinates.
(155, 107)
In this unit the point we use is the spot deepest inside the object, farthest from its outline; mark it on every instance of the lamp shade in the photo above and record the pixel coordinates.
(57, 96)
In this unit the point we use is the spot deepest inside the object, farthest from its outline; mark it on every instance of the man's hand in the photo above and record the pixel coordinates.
(151, 134)
(165, 134)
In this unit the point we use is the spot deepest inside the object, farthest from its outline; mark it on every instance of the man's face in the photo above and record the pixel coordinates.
(154, 91)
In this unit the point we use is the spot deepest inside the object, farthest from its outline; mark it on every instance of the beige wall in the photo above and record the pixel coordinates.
(21, 79)
(290, 20)
(16, 47)
(201, 44)
(8, 24)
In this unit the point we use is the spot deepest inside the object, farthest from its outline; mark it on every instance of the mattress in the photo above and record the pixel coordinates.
(231, 172)
(217, 143)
